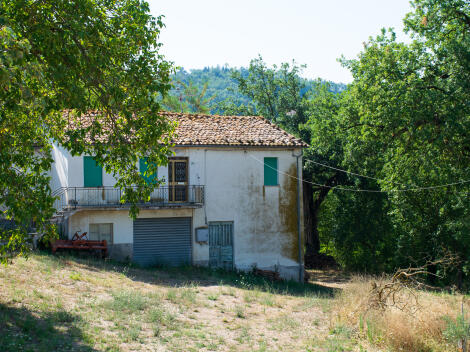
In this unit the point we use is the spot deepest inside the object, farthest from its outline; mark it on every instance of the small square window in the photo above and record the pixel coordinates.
(270, 172)
(100, 232)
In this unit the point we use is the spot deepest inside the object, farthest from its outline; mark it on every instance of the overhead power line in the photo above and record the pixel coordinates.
(356, 174)
(415, 189)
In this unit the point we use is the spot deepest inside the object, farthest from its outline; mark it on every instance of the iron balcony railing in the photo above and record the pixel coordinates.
(68, 198)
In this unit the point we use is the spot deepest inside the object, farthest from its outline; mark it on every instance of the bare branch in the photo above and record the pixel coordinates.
(400, 291)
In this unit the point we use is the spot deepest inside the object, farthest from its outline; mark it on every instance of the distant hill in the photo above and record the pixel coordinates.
(221, 86)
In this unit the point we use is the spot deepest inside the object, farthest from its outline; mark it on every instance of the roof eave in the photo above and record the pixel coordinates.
(238, 146)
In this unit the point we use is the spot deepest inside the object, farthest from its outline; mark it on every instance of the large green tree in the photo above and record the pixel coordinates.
(325, 149)
(60, 60)
(277, 93)
(405, 119)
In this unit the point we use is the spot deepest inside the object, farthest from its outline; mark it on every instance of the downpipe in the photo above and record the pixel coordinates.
(299, 228)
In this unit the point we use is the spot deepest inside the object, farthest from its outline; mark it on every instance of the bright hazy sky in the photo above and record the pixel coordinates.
(203, 33)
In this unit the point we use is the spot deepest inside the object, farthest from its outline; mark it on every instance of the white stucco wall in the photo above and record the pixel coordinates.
(265, 230)
(264, 217)
(67, 170)
(60, 167)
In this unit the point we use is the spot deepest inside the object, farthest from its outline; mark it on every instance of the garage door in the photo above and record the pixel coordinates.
(162, 241)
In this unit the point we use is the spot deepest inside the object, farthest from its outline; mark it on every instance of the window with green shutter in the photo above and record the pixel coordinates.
(92, 173)
(270, 172)
(143, 166)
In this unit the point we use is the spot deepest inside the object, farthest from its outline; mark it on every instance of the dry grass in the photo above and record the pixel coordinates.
(419, 328)
(52, 303)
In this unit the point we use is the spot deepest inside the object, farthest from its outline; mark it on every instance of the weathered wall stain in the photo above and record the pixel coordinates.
(288, 213)
(259, 205)
(272, 216)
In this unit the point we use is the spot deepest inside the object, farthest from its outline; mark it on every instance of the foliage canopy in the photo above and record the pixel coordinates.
(80, 56)
(406, 117)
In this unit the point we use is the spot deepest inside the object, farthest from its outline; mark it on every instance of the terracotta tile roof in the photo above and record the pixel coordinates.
(198, 129)
(211, 130)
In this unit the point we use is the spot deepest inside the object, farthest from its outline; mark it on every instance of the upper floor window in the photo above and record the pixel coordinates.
(92, 173)
(143, 167)
(270, 172)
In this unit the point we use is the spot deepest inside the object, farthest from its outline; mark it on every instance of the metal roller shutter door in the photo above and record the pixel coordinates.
(162, 241)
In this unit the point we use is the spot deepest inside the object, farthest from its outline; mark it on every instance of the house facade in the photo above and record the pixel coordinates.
(229, 199)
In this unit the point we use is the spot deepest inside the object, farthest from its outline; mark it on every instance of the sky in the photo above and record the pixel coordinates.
(201, 33)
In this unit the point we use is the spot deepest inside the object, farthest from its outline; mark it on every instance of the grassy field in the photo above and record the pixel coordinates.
(50, 303)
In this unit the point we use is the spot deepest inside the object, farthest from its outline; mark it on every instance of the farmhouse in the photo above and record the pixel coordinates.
(230, 199)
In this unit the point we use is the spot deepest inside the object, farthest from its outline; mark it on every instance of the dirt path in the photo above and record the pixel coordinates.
(335, 279)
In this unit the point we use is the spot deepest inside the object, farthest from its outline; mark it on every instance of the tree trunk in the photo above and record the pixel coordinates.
(460, 278)
(312, 240)
(312, 206)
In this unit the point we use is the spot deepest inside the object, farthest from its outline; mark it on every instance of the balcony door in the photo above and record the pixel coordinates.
(93, 194)
(178, 179)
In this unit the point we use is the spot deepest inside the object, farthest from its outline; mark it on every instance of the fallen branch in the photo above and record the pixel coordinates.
(400, 291)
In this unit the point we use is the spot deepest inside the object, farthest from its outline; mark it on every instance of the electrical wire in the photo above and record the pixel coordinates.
(356, 174)
(366, 190)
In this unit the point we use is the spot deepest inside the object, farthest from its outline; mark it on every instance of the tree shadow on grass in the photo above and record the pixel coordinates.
(23, 330)
(201, 276)
(250, 281)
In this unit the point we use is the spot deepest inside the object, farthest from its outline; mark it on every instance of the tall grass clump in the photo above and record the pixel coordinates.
(423, 321)
(126, 301)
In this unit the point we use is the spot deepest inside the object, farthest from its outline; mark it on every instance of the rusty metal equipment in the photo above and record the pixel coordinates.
(80, 242)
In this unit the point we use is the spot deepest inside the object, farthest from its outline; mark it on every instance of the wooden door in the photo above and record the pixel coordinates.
(178, 179)
(221, 245)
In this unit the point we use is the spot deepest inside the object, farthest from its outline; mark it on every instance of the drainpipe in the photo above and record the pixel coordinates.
(299, 228)
(205, 187)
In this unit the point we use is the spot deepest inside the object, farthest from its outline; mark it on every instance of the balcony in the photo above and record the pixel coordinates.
(70, 198)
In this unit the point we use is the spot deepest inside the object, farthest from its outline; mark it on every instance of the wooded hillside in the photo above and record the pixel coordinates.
(216, 86)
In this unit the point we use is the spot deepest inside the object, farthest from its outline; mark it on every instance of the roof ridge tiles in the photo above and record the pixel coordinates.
(218, 130)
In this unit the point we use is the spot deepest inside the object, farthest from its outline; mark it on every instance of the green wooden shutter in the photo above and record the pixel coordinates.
(143, 169)
(92, 172)
(270, 172)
